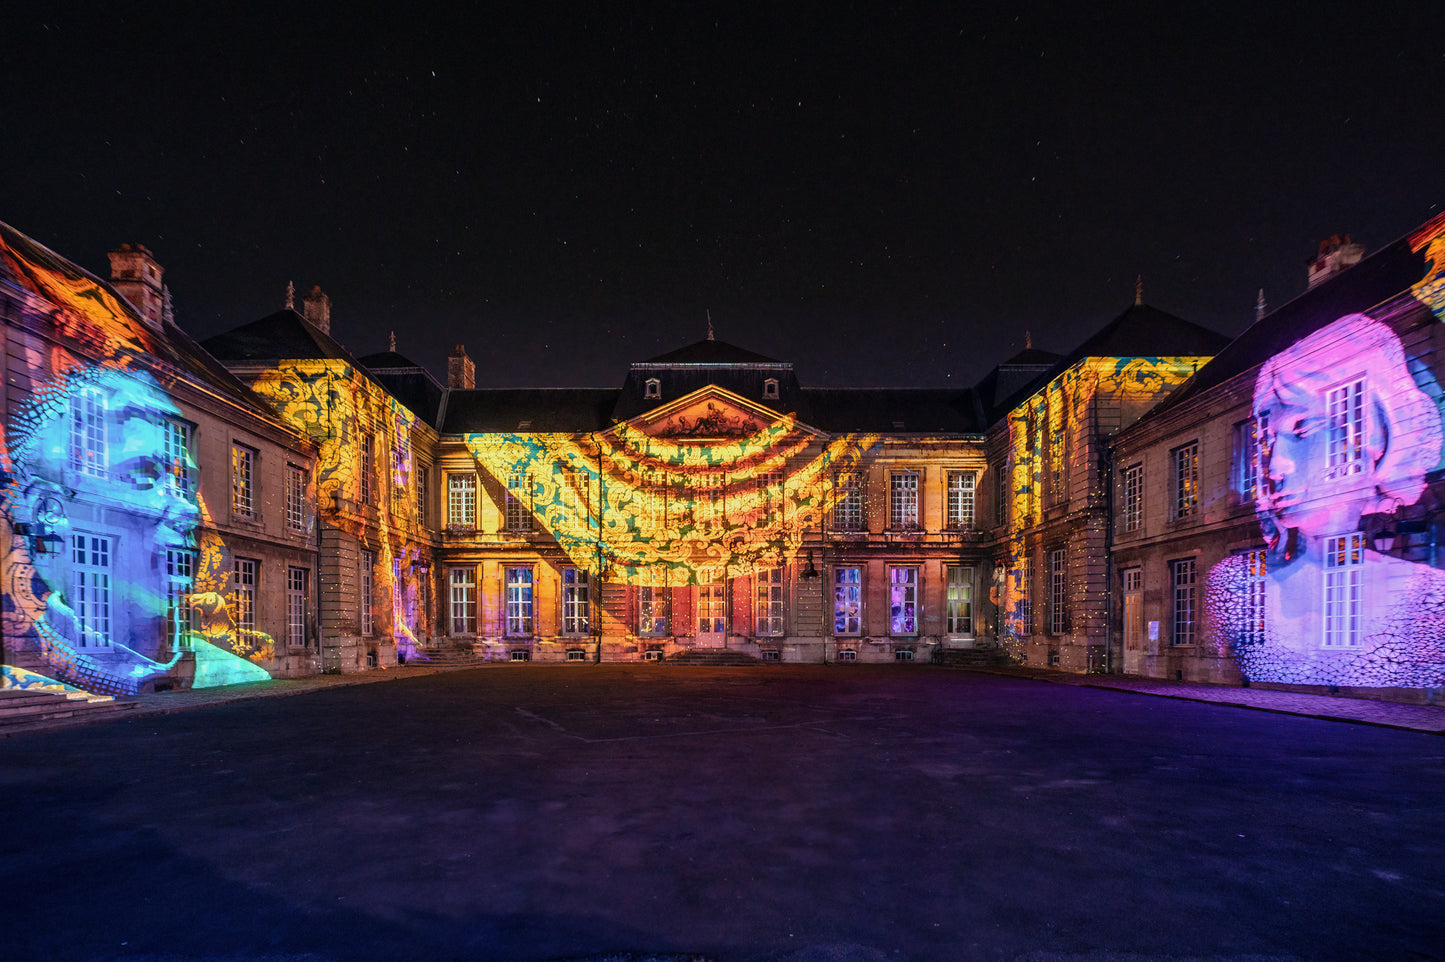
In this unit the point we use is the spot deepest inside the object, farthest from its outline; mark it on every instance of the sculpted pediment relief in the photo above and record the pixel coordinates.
(705, 414)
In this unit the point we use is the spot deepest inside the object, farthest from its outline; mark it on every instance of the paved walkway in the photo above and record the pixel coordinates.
(1422, 718)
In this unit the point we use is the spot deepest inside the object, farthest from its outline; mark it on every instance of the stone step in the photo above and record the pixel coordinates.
(713, 657)
(971, 657)
(21, 710)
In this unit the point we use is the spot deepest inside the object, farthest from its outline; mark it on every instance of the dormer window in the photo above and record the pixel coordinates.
(770, 389)
(652, 389)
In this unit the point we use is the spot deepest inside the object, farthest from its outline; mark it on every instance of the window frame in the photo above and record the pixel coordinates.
(961, 501)
(769, 602)
(366, 591)
(1133, 497)
(462, 500)
(1344, 444)
(297, 599)
(90, 581)
(575, 598)
(462, 600)
(1183, 602)
(848, 601)
(243, 480)
(849, 512)
(90, 431)
(519, 600)
(295, 498)
(958, 600)
(245, 591)
(1185, 460)
(911, 590)
(180, 584)
(1058, 591)
(905, 486)
(1343, 584)
(516, 507)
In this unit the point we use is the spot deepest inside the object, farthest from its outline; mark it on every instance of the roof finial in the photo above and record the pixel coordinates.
(1259, 307)
(709, 325)
(290, 296)
(1139, 290)
(1028, 340)
(391, 343)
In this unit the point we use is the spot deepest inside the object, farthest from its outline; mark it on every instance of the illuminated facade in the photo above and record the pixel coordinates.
(141, 507)
(1279, 518)
(1048, 450)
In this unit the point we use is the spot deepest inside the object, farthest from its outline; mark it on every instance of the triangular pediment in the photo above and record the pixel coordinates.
(707, 414)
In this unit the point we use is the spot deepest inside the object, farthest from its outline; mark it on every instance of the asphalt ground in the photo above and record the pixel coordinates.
(798, 813)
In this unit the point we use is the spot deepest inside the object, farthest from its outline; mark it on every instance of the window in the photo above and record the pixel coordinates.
(1133, 497)
(960, 500)
(1186, 480)
(959, 600)
(519, 602)
(770, 389)
(400, 455)
(176, 443)
(462, 500)
(295, 498)
(1344, 570)
(1181, 581)
(1248, 436)
(712, 604)
(576, 602)
(903, 500)
(847, 601)
(651, 610)
(848, 506)
(768, 589)
(1058, 593)
(652, 389)
(243, 481)
(296, 595)
(770, 495)
(368, 470)
(368, 593)
(1026, 596)
(1000, 494)
(516, 517)
(246, 576)
(1252, 631)
(91, 577)
(421, 486)
(1133, 608)
(903, 600)
(87, 432)
(1345, 408)
(464, 601)
(180, 582)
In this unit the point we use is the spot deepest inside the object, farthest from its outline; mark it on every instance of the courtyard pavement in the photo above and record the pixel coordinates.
(798, 813)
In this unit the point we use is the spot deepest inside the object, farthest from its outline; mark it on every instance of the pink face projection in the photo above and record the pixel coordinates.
(1345, 431)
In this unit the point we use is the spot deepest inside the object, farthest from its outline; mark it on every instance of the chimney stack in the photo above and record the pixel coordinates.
(461, 372)
(137, 277)
(1336, 254)
(318, 310)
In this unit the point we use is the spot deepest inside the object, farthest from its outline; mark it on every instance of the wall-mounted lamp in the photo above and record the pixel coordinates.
(810, 571)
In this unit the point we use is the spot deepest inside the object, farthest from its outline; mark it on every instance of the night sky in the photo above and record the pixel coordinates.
(885, 197)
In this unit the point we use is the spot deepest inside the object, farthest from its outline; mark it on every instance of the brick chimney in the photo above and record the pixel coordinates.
(137, 277)
(461, 372)
(1336, 254)
(318, 310)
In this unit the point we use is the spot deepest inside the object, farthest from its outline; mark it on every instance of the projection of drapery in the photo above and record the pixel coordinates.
(628, 506)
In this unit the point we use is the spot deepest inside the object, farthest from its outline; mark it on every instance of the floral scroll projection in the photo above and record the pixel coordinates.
(97, 440)
(633, 508)
(1048, 440)
(1347, 431)
(362, 432)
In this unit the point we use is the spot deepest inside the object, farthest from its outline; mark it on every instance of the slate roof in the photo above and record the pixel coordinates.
(565, 410)
(709, 352)
(285, 335)
(172, 345)
(695, 366)
(1384, 275)
(999, 389)
(408, 382)
(893, 410)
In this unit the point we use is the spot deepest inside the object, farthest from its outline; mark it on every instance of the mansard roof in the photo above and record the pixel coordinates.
(169, 344)
(1383, 276)
(893, 410)
(710, 353)
(506, 410)
(694, 367)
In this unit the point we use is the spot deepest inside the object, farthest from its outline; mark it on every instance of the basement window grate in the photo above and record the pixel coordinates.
(847, 654)
(652, 655)
(772, 654)
(521, 654)
(903, 654)
(576, 654)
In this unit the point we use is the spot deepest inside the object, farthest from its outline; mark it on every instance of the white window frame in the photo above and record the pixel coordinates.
(903, 507)
(421, 486)
(462, 500)
(180, 583)
(1058, 592)
(367, 591)
(519, 584)
(89, 441)
(576, 602)
(295, 498)
(958, 600)
(848, 502)
(462, 600)
(1344, 406)
(847, 601)
(1134, 497)
(516, 515)
(653, 617)
(90, 584)
(1248, 476)
(768, 595)
(1185, 459)
(245, 582)
(1255, 609)
(368, 470)
(652, 389)
(903, 593)
(243, 480)
(176, 441)
(770, 389)
(1184, 601)
(1133, 579)
(962, 492)
(298, 590)
(1344, 577)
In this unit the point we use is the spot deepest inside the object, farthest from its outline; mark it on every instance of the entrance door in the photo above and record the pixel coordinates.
(712, 621)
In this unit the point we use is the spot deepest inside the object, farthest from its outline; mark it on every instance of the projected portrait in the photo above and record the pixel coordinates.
(1344, 431)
